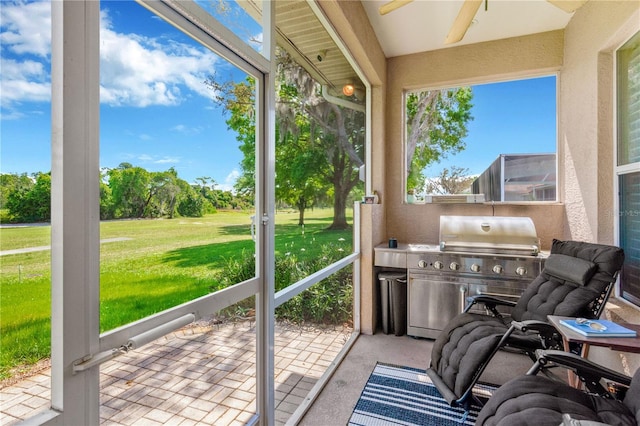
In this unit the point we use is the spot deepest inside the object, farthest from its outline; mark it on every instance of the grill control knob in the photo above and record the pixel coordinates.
(422, 264)
(475, 268)
(438, 264)
(521, 271)
(498, 269)
(454, 266)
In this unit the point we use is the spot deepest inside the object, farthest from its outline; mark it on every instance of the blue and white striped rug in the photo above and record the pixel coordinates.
(397, 395)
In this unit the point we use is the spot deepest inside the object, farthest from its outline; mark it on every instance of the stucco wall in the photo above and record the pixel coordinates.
(587, 138)
(520, 57)
(586, 116)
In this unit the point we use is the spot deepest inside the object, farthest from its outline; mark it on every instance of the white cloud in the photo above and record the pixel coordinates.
(155, 159)
(23, 82)
(229, 181)
(167, 160)
(136, 70)
(145, 157)
(181, 128)
(26, 28)
(140, 71)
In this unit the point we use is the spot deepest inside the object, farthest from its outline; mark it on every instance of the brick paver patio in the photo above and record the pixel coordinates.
(203, 374)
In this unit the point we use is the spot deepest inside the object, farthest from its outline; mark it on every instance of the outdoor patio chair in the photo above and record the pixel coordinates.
(538, 400)
(576, 282)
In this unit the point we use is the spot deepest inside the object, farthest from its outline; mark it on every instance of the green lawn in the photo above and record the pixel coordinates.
(161, 264)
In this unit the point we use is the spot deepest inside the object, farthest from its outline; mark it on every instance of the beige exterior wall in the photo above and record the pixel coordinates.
(586, 146)
(515, 58)
(586, 116)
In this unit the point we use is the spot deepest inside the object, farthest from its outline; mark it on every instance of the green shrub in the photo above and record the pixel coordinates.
(328, 302)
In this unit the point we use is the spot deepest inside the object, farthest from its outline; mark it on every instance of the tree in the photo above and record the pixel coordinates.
(33, 203)
(10, 182)
(340, 132)
(192, 204)
(436, 126)
(163, 191)
(129, 190)
(318, 143)
(298, 180)
(454, 181)
(238, 100)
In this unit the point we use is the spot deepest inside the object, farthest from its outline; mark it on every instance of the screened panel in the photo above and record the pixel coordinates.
(25, 208)
(242, 18)
(176, 223)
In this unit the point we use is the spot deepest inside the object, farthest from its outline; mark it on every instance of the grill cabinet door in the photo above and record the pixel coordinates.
(432, 304)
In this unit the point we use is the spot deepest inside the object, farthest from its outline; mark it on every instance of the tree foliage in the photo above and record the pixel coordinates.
(338, 131)
(30, 202)
(319, 145)
(454, 181)
(10, 183)
(436, 126)
(125, 192)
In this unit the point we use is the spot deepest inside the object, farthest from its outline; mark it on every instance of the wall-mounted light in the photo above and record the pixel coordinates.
(348, 89)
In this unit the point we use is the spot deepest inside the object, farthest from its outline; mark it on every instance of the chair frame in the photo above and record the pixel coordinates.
(550, 339)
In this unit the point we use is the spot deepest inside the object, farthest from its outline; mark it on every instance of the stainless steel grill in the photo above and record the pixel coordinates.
(491, 255)
(489, 234)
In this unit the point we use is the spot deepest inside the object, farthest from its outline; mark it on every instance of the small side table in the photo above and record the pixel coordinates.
(622, 344)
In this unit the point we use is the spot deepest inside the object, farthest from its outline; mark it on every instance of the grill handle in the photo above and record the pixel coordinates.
(532, 250)
(463, 297)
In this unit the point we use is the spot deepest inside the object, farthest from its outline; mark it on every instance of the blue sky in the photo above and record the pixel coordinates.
(157, 113)
(515, 117)
(155, 110)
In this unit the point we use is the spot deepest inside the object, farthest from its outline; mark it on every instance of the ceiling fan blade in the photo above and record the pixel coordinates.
(568, 6)
(392, 5)
(463, 21)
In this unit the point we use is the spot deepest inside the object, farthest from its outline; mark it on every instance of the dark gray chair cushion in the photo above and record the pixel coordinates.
(469, 340)
(550, 295)
(571, 269)
(539, 401)
(632, 398)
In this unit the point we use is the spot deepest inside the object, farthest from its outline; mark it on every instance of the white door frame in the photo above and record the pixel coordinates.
(75, 263)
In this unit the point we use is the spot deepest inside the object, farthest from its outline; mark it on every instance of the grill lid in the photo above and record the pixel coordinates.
(489, 234)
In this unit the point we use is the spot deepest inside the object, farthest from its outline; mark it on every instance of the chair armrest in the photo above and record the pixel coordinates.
(588, 371)
(549, 335)
(489, 301)
(542, 327)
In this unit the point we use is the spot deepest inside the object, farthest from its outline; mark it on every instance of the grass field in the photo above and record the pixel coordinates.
(158, 264)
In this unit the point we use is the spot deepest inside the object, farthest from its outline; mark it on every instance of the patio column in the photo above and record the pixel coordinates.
(75, 203)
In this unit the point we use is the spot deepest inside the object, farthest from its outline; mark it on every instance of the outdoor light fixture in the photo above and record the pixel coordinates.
(348, 89)
(321, 55)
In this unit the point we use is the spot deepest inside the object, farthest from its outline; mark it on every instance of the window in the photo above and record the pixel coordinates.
(628, 165)
(491, 142)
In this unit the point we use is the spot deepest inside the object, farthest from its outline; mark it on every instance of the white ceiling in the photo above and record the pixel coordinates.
(423, 25)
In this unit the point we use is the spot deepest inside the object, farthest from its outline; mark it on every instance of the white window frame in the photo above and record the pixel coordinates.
(628, 30)
(435, 198)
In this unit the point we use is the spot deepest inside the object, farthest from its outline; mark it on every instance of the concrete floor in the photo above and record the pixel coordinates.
(338, 398)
